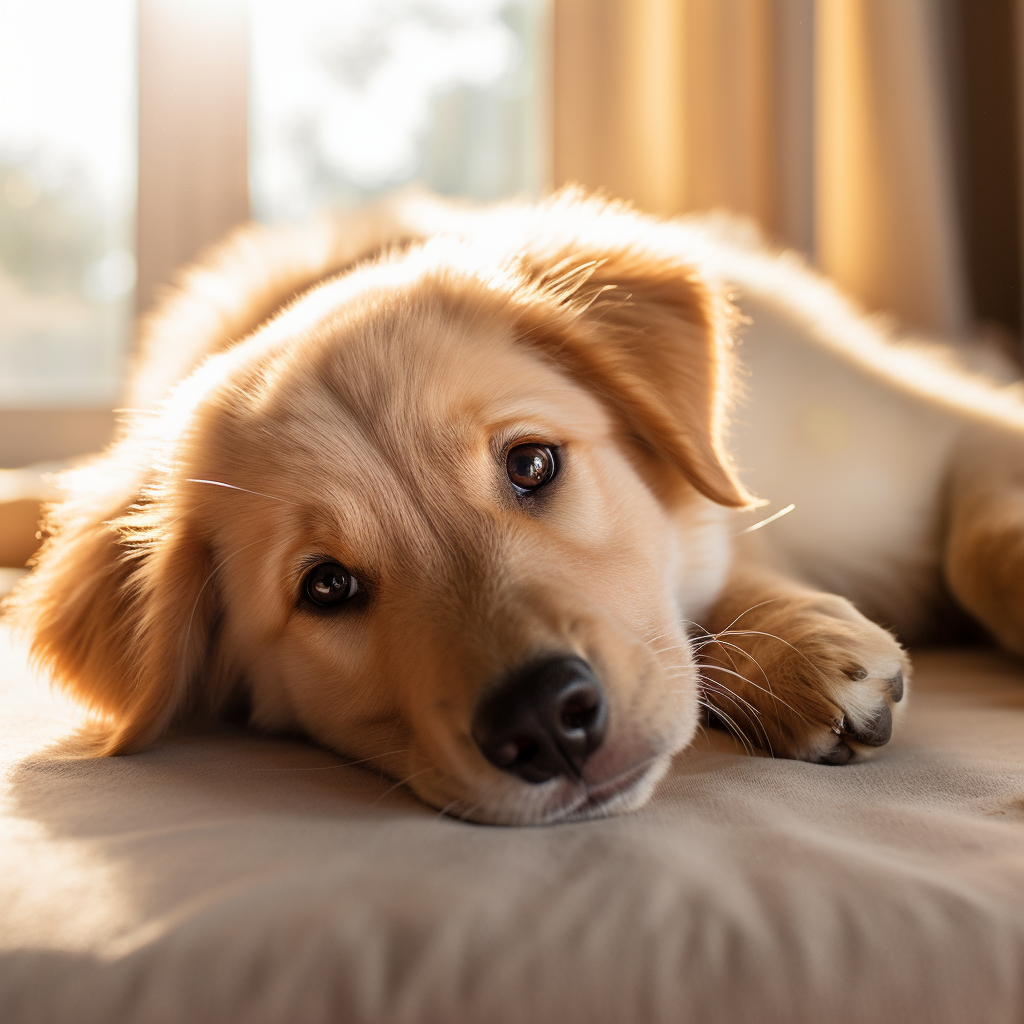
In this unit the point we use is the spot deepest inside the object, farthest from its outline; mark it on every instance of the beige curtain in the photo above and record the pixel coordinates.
(825, 120)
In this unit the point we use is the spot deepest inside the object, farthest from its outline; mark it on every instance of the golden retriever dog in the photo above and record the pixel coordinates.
(468, 495)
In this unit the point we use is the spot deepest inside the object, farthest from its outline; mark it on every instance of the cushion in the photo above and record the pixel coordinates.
(225, 876)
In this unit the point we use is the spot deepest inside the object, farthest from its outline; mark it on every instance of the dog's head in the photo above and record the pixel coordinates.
(447, 514)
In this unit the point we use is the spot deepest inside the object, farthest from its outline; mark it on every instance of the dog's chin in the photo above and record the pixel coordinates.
(626, 792)
(565, 800)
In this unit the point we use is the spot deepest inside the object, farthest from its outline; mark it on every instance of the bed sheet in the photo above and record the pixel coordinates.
(230, 877)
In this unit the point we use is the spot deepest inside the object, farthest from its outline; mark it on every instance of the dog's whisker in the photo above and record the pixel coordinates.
(768, 691)
(770, 636)
(747, 710)
(406, 781)
(443, 811)
(723, 647)
(697, 625)
(767, 688)
(213, 572)
(710, 666)
(716, 687)
(668, 650)
(752, 608)
(716, 637)
(464, 814)
(661, 636)
(730, 725)
(245, 490)
(727, 646)
(467, 809)
(771, 519)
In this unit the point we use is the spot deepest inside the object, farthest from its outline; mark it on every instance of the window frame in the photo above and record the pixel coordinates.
(193, 183)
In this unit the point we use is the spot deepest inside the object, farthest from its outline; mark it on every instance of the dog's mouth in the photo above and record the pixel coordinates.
(546, 730)
(612, 794)
(580, 801)
(568, 801)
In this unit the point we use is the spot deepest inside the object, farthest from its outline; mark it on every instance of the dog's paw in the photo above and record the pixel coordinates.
(867, 701)
(821, 684)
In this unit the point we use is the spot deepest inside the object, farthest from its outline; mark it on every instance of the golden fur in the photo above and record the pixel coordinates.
(347, 393)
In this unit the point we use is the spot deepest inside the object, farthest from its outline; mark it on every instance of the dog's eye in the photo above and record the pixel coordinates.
(328, 584)
(530, 466)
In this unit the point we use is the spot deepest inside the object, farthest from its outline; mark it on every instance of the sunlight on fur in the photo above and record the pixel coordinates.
(469, 495)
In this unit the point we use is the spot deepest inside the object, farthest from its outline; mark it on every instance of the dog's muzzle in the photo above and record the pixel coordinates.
(542, 720)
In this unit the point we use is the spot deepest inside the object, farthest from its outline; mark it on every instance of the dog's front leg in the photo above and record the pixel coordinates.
(799, 672)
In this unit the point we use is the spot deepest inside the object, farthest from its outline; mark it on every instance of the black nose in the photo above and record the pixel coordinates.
(542, 720)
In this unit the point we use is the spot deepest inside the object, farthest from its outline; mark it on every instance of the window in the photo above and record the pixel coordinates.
(350, 98)
(347, 99)
(67, 200)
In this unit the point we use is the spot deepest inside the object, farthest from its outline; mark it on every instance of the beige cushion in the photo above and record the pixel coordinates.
(227, 877)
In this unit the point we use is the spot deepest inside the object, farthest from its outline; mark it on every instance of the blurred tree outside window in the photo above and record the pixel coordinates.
(350, 98)
(347, 99)
(67, 200)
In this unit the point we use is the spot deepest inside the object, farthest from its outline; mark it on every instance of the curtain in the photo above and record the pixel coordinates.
(839, 125)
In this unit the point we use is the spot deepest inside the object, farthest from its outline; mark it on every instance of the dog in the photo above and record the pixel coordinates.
(491, 499)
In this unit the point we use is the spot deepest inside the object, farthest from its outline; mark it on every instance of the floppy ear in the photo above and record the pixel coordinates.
(120, 608)
(653, 339)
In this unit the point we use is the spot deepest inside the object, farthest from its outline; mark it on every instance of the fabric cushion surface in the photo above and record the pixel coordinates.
(230, 877)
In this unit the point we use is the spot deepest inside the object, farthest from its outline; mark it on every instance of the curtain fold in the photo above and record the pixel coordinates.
(886, 220)
(827, 121)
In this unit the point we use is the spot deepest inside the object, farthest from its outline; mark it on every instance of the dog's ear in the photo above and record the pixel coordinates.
(654, 340)
(120, 608)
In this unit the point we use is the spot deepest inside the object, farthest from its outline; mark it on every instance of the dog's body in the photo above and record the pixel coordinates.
(859, 435)
(467, 509)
